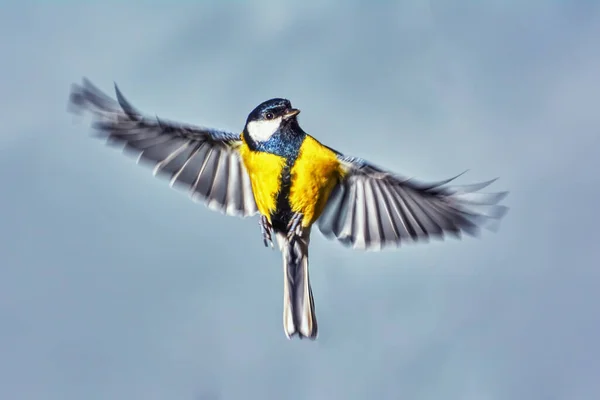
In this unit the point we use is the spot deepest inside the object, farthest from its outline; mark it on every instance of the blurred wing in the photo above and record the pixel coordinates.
(204, 161)
(371, 208)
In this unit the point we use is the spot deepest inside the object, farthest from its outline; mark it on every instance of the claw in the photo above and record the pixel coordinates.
(293, 226)
(265, 228)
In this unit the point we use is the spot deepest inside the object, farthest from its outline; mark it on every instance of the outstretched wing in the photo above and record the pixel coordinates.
(205, 161)
(371, 208)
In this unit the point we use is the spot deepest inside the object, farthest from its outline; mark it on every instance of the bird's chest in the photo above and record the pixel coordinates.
(289, 178)
(269, 165)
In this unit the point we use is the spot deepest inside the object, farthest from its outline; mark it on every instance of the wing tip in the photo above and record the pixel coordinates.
(85, 96)
(77, 98)
(125, 105)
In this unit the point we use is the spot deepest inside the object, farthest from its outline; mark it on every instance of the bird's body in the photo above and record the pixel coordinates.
(295, 180)
(292, 176)
(277, 170)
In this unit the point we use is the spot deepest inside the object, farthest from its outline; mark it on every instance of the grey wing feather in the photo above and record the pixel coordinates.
(371, 208)
(203, 160)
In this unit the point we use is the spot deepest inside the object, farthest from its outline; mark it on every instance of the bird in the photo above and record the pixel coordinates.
(275, 170)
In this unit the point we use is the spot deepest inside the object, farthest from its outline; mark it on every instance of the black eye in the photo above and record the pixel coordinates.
(269, 115)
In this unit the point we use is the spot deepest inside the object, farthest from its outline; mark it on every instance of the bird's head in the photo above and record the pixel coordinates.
(268, 117)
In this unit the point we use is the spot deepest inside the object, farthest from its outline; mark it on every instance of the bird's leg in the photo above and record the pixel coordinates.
(266, 228)
(293, 226)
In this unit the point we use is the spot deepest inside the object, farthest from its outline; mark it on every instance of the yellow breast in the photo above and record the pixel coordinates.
(265, 175)
(314, 174)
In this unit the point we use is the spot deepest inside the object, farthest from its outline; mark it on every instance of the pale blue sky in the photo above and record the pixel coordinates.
(113, 286)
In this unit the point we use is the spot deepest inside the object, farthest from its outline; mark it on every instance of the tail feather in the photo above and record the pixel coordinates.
(298, 305)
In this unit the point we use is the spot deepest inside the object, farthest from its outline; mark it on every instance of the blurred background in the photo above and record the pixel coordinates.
(113, 286)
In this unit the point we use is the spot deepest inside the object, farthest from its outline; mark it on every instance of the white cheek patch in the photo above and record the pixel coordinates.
(261, 131)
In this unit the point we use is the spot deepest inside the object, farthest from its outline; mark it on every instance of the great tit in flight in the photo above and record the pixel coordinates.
(275, 169)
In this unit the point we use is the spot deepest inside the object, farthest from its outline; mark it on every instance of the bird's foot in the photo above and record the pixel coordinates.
(266, 228)
(293, 227)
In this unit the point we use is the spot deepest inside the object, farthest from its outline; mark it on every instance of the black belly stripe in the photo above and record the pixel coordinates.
(283, 215)
(286, 143)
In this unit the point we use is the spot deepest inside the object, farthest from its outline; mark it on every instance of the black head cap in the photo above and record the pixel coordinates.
(272, 109)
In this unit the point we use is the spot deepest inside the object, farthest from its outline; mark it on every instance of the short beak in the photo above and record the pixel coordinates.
(291, 113)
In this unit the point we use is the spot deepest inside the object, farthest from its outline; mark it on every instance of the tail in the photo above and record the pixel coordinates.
(298, 305)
